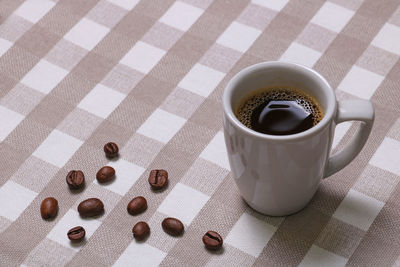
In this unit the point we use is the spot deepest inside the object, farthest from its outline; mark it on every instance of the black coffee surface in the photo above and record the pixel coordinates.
(279, 111)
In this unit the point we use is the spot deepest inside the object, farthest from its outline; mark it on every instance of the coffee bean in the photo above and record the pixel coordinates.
(212, 240)
(158, 178)
(137, 205)
(76, 234)
(91, 207)
(49, 208)
(105, 174)
(172, 226)
(75, 179)
(111, 150)
(140, 230)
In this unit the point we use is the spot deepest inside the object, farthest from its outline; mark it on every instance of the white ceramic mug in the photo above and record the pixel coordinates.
(278, 175)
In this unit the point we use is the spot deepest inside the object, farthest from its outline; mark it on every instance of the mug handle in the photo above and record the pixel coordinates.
(349, 110)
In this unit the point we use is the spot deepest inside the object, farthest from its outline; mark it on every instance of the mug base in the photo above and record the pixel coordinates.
(277, 212)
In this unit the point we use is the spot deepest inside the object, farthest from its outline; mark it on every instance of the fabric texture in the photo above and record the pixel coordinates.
(149, 75)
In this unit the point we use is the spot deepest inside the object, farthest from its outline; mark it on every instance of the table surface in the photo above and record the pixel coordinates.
(149, 76)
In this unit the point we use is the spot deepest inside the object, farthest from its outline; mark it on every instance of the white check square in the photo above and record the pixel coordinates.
(276, 5)
(216, 151)
(358, 210)
(161, 125)
(340, 131)
(140, 255)
(183, 202)
(126, 4)
(301, 54)
(68, 221)
(4, 46)
(126, 175)
(238, 37)
(44, 76)
(201, 80)
(57, 148)
(317, 256)
(142, 57)
(14, 198)
(388, 38)
(9, 120)
(34, 10)
(332, 17)
(250, 234)
(101, 101)
(86, 33)
(361, 82)
(387, 156)
(181, 16)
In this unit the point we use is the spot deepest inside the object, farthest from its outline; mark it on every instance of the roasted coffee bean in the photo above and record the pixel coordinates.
(76, 234)
(111, 150)
(212, 240)
(137, 205)
(75, 179)
(49, 208)
(91, 207)
(105, 174)
(172, 226)
(158, 178)
(140, 230)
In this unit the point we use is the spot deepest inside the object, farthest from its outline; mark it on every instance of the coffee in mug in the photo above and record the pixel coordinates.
(279, 111)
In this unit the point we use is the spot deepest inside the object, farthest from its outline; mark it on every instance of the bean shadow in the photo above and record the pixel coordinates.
(88, 218)
(79, 190)
(52, 218)
(113, 159)
(108, 182)
(77, 244)
(161, 190)
(142, 241)
(220, 251)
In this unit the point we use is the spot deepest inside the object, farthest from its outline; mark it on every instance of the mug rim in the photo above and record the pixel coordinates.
(329, 112)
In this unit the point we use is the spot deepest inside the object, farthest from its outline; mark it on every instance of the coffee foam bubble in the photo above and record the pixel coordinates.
(261, 96)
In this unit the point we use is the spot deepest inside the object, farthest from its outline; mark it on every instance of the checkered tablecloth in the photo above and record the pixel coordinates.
(149, 76)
